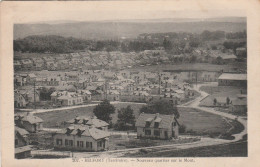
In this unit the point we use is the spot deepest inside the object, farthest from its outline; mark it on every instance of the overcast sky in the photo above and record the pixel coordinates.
(108, 10)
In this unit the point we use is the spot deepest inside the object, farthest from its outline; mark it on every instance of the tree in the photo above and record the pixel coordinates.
(215, 101)
(167, 44)
(125, 116)
(162, 107)
(228, 100)
(104, 110)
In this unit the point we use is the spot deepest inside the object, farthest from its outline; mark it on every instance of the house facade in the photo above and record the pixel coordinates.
(157, 126)
(81, 138)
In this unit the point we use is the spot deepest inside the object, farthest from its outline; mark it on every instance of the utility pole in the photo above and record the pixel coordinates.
(34, 95)
(196, 78)
(159, 83)
(106, 88)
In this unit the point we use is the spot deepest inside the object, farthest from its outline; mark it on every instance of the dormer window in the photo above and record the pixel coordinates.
(79, 132)
(148, 122)
(156, 124)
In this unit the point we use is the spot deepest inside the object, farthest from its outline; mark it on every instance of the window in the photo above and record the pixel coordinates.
(147, 132)
(71, 142)
(16, 141)
(80, 143)
(156, 132)
(89, 144)
(156, 124)
(174, 124)
(66, 142)
(59, 142)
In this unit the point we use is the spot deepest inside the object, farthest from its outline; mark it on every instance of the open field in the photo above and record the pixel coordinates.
(196, 122)
(202, 123)
(237, 149)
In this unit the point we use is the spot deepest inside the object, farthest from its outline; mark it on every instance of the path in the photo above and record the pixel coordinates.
(196, 102)
(34, 111)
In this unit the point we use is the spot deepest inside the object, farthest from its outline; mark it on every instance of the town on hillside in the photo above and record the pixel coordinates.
(154, 95)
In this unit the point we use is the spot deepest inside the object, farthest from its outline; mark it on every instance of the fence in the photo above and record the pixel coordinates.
(49, 154)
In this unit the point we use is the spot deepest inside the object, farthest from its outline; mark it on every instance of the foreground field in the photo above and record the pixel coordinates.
(237, 149)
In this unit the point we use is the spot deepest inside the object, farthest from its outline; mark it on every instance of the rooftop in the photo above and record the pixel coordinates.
(84, 130)
(164, 120)
(229, 76)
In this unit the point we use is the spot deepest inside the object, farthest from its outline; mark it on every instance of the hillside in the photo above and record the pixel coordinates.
(127, 29)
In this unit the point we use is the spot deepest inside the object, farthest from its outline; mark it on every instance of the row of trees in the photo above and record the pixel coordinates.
(175, 43)
(50, 43)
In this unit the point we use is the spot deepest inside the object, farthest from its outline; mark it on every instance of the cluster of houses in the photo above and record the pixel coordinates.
(76, 88)
(88, 60)
(95, 60)
(89, 133)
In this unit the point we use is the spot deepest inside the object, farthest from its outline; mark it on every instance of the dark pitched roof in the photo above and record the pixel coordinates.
(165, 121)
(91, 121)
(84, 130)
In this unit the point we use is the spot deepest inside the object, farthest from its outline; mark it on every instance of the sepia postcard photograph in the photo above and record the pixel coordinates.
(130, 84)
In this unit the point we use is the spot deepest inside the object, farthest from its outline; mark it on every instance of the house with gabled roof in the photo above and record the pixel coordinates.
(157, 126)
(229, 79)
(29, 122)
(22, 149)
(21, 137)
(81, 138)
(66, 98)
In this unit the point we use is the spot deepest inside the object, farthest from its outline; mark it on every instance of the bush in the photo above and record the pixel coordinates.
(182, 128)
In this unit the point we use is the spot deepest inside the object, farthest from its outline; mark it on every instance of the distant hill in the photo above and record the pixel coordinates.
(127, 28)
